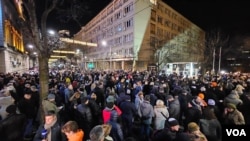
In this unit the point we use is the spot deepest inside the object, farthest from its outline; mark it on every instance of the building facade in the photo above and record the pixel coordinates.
(13, 57)
(142, 35)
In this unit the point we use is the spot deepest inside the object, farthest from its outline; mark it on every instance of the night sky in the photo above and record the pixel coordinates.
(231, 16)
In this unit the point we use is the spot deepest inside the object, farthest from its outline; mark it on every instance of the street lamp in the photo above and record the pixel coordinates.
(104, 43)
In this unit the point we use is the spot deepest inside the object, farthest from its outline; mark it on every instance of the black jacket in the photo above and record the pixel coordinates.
(12, 127)
(56, 133)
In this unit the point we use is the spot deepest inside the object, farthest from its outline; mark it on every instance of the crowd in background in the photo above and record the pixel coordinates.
(122, 105)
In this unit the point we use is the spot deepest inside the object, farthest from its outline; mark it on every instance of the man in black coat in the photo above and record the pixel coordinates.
(129, 111)
(12, 127)
(50, 130)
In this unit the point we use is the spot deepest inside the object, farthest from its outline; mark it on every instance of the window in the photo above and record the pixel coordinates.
(152, 28)
(128, 23)
(153, 15)
(128, 8)
(118, 15)
(159, 19)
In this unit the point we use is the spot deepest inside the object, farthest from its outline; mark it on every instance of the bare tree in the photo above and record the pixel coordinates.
(44, 44)
(215, 41)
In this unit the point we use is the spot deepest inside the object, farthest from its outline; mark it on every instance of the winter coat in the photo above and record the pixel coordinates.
(128, 110)
(233, 98)
(161, 114)
(234, 118)
(12, 127)
(174, 109)
(146, 112)
(211, 129)
(56, 133)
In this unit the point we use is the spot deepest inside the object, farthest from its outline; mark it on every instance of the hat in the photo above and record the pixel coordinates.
(110, 98)
(203, 89)
(11, 109)
(172, 122)
(211, 102)
(201, 95)
(50, 113)
(27, 91)
(192, 126)
(231, 106)
(169, 97)
(51, 96)
(147, 98)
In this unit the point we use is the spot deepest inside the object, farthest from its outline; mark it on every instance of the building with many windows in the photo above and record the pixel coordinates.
(12, 54)
(141, 35)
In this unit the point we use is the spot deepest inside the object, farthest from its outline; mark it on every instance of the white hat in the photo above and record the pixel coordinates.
(211, 102)
(203, 89)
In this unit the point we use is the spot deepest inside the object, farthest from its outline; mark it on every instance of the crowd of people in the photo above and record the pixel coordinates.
(122, 106)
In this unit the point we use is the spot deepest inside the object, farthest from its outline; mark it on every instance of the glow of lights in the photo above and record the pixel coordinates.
(104, 43)
(51, 32)
(63, 51)
(57, 56)
(30, 46)
(222, 72)
(51, 60)
(67, 40)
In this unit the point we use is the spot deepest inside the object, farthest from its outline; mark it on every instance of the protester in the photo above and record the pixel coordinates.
(97, 133)
(173, 132)
(72, 131)
(193, 128)
(13, 126)
(107, 129)
(161, 114)
(232, 116)
(146, 112)
(50, 130)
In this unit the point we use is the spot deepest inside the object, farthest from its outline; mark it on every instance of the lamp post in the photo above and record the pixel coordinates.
(219, 61)
(104, 43)
(110, 59)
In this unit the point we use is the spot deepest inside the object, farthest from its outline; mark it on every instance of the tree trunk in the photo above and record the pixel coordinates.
(43, 81)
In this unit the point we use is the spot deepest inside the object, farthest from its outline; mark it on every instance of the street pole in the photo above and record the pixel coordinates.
(219, 61)
(213, 61)
(110, 59)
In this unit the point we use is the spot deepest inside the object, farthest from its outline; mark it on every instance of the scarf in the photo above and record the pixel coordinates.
(48, 128)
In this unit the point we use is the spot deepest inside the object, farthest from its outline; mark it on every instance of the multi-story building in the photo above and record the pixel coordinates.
(12, 54)
(140, 35)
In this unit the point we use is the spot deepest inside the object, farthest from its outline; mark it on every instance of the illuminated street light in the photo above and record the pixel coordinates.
(30, 46)
(104, 43)
(51, 32)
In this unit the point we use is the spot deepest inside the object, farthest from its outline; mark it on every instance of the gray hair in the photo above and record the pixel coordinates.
(97, 133)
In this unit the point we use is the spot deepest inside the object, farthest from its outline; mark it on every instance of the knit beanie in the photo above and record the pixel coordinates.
(11, 109)
(172, 122)
(211, 102)
(231, 105)
(201, 95)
